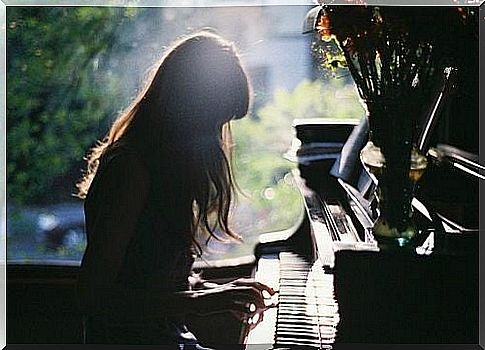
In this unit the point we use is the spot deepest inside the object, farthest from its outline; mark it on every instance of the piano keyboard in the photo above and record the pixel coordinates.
(307, 312)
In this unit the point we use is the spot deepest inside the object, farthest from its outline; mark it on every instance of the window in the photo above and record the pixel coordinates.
(69, 70)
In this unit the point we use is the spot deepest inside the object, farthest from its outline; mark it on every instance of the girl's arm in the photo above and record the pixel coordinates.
(121, 195)
(122, 192)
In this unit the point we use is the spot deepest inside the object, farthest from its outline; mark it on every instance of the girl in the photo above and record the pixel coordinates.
(162, 175)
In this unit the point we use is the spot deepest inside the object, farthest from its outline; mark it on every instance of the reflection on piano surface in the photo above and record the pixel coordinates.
(337, 285)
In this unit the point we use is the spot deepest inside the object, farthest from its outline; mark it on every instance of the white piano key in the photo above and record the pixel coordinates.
(307, 313)
(268, 273)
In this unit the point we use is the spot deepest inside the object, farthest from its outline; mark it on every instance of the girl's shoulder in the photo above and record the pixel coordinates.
(121, 162)
(117, 149)
(120, 170)
(120, 152)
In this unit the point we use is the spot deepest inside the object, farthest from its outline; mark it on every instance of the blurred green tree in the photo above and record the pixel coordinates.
(261, 171)
(60, 94)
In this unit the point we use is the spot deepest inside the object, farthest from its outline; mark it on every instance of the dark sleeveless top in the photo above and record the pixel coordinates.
(158, 254)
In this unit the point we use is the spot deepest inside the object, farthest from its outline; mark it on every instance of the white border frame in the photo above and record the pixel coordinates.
(140, 3)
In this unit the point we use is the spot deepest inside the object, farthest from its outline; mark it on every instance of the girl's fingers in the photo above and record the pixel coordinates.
(239, 315)
(250, 296)
(252, 283)
(249, 310)
(246, 301)
(254, 320)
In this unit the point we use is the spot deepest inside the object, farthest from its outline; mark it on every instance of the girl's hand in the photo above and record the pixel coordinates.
(241, 296)
(249, 282)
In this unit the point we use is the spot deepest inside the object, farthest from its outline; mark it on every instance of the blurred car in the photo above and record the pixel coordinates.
(56, 226)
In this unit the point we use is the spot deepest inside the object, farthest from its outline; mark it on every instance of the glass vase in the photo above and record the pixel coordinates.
(395, 190)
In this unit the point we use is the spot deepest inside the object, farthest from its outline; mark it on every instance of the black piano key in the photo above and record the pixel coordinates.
(289, 322)
(283, 340)
(306, 305)
(295, 311)
(305, 321)
(299, 301)
(301, 335)
(297, 314)
(297, 326)
(292, 292)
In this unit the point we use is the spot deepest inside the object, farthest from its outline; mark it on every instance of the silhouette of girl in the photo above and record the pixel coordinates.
(161, 176)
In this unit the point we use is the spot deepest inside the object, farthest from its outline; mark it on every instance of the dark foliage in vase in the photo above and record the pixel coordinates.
(396, 57)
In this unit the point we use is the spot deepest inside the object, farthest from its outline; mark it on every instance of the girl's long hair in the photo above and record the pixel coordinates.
(179, 124)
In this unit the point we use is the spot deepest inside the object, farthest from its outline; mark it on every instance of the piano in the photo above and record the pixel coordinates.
(337, 285)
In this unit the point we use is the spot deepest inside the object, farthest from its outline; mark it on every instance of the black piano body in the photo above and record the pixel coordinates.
(427, 294)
